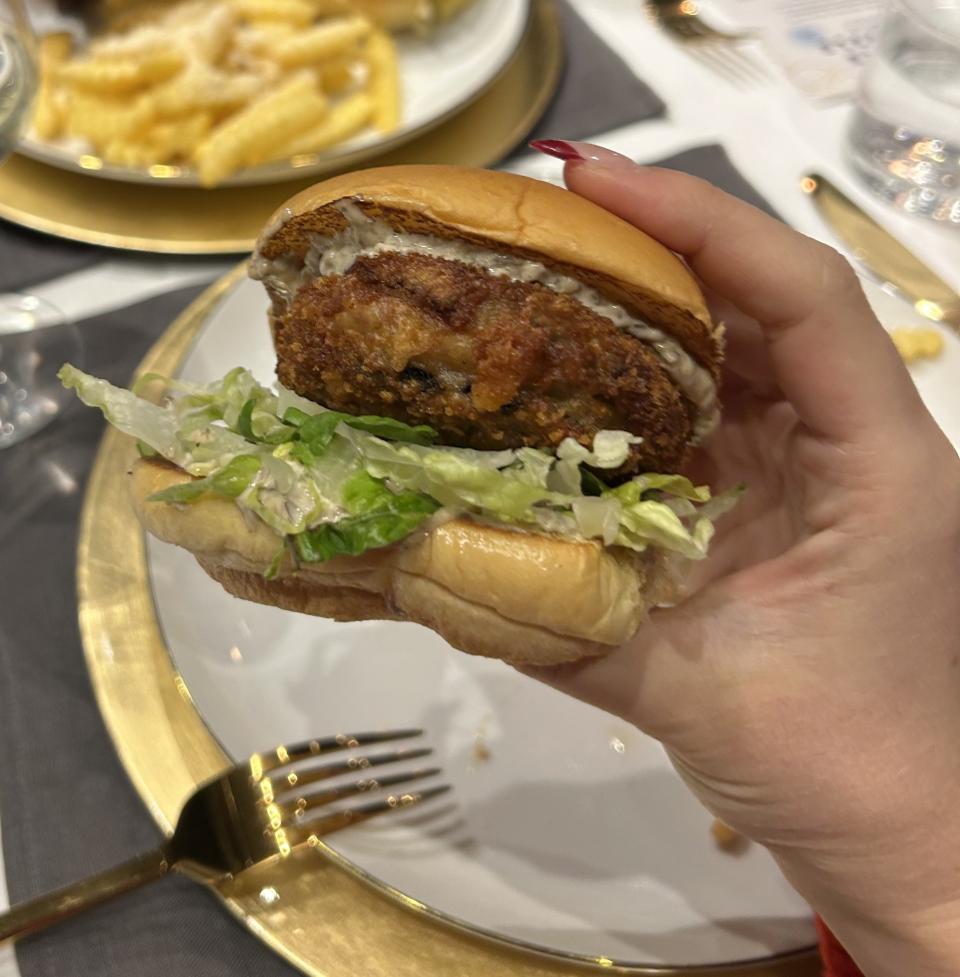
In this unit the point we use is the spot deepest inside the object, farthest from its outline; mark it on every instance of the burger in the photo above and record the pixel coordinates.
(487, 386)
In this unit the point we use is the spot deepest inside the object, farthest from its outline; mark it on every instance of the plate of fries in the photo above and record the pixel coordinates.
(215, 93)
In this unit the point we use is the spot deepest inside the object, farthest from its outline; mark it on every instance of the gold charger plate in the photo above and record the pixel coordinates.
(188, 220)
(316, 909)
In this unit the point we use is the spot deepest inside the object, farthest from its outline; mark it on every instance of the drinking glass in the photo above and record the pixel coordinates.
(34, 337)
(904, 137)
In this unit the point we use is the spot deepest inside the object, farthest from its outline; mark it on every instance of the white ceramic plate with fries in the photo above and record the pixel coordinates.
(231, 92)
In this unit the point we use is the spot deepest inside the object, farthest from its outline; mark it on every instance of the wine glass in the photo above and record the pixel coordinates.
(35, 339)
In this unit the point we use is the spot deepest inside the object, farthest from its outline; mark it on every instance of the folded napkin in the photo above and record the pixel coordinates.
(598, 91)
(712, 163)
(66, 807)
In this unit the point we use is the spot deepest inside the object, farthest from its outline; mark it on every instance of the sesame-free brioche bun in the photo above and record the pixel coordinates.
(523, 597)
(513, 215)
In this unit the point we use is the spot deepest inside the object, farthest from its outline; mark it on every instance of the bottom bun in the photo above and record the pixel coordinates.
(523, 597)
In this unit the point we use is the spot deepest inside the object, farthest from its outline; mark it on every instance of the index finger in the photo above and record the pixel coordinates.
(830, 355)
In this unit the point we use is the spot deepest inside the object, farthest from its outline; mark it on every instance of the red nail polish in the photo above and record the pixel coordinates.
(558, 148)
(582, 152)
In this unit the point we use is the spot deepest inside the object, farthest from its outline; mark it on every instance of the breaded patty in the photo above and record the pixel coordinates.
(490, 363)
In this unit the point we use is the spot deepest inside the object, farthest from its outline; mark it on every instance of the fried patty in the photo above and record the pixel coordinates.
(488, 362)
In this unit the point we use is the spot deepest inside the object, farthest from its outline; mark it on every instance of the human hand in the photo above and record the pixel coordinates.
(808, 690)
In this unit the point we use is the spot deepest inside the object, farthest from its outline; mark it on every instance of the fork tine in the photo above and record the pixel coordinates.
(282, 756)
(695, 27)
(298, 779)
(311, 832)
(754, 69)
(310, 802)
(687, 28)
(734, 64)
(709, 59)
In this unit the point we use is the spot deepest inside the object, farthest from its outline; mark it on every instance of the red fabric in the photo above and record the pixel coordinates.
(836, 960)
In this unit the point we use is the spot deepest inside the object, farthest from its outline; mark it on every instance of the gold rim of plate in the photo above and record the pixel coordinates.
(316, 909)
(192, 220)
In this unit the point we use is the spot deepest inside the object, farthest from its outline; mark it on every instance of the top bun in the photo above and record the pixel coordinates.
(513, 215)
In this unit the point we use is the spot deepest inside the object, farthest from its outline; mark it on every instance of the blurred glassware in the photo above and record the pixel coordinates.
(35, 339)
(904, 137)
(18, 72)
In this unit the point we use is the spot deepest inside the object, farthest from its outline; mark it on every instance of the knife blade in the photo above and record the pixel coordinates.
(882, 254)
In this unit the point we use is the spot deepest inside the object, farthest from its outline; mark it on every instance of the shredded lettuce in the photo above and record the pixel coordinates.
(333, 483)
(377, 518)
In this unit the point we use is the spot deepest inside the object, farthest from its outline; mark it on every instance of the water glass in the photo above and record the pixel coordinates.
(35, 341)
(34, 337)
(18, 72)
(904, 137)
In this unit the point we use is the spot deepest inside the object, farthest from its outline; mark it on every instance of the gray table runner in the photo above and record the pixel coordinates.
(28, 257)
(712, 163)
(66, 807)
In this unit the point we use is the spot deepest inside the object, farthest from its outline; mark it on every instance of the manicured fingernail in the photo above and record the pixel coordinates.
(581, 151)
(559, 148)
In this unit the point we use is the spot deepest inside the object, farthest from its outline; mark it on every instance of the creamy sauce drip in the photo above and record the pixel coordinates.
(367, 237)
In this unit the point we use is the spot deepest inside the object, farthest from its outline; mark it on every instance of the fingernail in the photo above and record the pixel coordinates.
(580, 151)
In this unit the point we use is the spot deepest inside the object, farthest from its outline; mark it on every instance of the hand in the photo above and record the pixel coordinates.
(808, 690)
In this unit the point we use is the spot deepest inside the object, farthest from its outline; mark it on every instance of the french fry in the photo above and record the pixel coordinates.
(327, 40)
(104, 120)
(384, 83)
(338, 75)
(250, 136)
(186, 14)
(395, 15)
(447, 9)
(55, 48)
(331, 8)
(125, 15)
(209, 37)
(298, 12)
(200, 87)
(139, 43)
(119, 76)
(137, 154)
(343, 121)
(48, 109)
(175, 140)
(260, 38)
(389, 14)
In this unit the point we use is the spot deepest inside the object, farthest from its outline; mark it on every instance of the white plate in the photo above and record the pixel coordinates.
(440, 73)
(574, 834)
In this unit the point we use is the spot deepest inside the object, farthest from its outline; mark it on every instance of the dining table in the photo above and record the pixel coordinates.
(67, 808)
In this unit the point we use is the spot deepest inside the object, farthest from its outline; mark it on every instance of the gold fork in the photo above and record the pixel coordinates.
(253, 812)
(718, 50)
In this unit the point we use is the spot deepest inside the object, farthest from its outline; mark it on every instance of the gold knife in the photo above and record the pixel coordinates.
(882, 254)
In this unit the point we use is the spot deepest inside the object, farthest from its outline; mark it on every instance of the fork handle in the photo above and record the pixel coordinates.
(39, 913)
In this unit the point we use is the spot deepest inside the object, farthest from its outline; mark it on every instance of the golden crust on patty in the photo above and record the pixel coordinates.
(490, 363)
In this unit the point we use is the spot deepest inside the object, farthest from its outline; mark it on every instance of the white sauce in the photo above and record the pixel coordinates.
(364, 236)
